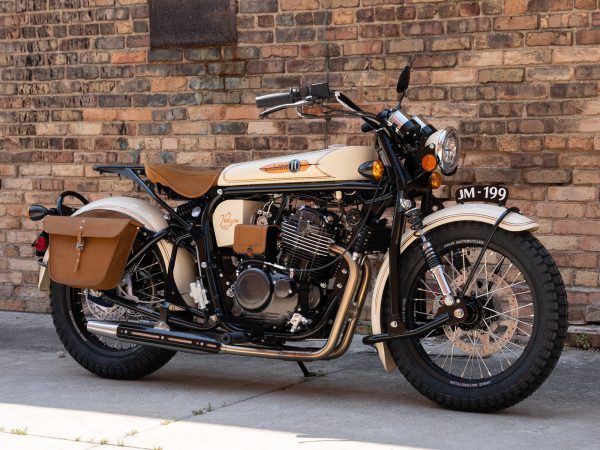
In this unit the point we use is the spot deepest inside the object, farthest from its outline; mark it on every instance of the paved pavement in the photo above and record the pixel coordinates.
(198, 402)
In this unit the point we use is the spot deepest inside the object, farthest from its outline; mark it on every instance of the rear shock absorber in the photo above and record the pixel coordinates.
(432, 258)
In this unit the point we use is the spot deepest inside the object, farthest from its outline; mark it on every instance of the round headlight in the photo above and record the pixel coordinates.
(447, 150)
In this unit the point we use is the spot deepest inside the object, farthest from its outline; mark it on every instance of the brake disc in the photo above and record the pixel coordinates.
(100, 308)
(496, 328)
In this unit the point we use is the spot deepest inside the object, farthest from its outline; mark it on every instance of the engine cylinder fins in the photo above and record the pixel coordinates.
(253, 289)
(306, 237)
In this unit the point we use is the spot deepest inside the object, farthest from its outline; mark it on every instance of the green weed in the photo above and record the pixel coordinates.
(582, 341)
(19, 431)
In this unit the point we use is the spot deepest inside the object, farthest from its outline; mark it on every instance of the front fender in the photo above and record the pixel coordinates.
(153, 219)
(470, 212)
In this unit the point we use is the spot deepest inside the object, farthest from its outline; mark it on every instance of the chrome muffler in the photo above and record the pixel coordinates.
(154, 337)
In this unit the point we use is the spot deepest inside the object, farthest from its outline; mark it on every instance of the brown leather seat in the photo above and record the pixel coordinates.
(188, 181)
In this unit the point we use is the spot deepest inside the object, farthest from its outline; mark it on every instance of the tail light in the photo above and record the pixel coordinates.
(41, 244)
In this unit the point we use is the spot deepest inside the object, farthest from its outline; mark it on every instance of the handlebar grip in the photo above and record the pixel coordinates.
(269, 100)
(366, 127)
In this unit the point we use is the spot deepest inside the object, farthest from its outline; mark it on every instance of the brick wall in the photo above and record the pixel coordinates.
(79, 85)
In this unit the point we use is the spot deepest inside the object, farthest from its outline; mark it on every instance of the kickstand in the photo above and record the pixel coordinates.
(305, 371)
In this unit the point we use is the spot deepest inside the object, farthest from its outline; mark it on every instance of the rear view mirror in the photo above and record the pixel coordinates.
(37, 212)
(403, 80)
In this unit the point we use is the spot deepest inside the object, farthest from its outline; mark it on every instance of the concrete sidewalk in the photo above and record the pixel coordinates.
(200, 402)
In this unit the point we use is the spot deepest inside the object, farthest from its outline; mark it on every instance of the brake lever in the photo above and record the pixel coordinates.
(274, 109)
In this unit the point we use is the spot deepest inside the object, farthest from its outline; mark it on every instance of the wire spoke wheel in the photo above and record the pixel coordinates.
(142, 283)
(514, 325)
(73, 308)
(500, 307)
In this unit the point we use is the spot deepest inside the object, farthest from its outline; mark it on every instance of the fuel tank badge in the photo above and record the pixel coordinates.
(295, 165)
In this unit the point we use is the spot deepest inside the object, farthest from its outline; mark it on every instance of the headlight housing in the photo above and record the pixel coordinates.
(447, 150)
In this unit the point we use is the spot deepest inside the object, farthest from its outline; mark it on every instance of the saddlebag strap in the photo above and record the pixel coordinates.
(79, 246)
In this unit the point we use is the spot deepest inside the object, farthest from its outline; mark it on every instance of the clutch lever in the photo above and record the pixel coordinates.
(273, 109)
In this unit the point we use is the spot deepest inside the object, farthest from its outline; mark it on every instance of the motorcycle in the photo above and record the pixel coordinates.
(265, 256)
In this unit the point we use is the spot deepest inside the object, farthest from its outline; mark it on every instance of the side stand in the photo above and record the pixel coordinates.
(305, 371)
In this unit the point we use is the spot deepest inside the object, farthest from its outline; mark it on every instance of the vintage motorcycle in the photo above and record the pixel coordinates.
(266, 258)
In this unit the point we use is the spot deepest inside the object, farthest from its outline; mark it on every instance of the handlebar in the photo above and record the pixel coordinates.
(281, 98)
(318, 91)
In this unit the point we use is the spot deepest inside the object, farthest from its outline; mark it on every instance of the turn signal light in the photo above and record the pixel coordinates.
(436, 180)
(372, 169)
(429, 162)
(378, 169)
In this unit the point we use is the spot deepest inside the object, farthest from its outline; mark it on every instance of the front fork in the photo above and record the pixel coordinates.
(451, 307)
(450, 313)
(432, 258)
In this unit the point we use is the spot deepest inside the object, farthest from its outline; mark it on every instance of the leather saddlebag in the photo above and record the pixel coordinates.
(89, 252)
(253, 240)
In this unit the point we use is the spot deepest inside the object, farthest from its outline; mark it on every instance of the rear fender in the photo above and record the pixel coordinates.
(470, 212)
(153, 219)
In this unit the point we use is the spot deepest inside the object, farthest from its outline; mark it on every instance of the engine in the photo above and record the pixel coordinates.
(305, 240)
(288, 297)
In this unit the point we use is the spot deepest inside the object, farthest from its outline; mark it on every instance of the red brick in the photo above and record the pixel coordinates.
(406, 46)
(588, 37)
(451, 43)
(362, 48)
(286, 5)
(560, 210)
(513, 7)
(550, 73)
(529, 22)
(454, 76)
(574, 259)
(560, 5)
(546, 38)
(582, 176)
(501, 75)
(573, 194)
(587, 125)
(564, 20)
(585, 4)
(418, 28)
(548, 176)
(554, 242)
(591, 244)
(138, 56)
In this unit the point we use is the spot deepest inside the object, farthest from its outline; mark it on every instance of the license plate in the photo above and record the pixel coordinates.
(483, 193)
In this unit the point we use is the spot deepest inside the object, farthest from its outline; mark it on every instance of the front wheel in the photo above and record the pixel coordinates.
(517, 319)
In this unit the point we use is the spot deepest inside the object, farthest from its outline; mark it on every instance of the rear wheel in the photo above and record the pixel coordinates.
(72, 308)
(517, 322)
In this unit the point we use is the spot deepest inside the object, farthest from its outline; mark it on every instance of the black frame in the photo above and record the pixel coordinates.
(204, 241)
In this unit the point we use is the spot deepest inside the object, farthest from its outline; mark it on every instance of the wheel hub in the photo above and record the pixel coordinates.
(486, 328)
(473, 313)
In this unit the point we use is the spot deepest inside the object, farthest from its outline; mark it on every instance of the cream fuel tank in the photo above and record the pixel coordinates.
(336, 163)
